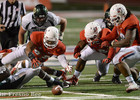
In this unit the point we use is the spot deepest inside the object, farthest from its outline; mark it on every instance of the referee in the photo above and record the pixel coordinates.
(11, 12)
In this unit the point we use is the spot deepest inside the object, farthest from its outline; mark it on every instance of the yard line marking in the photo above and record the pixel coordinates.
(84, 96)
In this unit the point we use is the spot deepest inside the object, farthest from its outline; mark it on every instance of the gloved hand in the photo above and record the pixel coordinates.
(77, 52)
(61, 36)
(106, 60)
(96, 41)
(76, 55)
(105, 44)
(69, 69)
(36, 63)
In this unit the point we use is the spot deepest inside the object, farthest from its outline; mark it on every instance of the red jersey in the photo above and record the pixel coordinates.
(98, 48)
(120, 31)
(43, 53)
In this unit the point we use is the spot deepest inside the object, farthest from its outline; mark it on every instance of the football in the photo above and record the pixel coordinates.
(57, 90)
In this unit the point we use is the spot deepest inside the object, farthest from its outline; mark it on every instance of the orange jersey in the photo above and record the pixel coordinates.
(43, 53)
(120, 31)
(82, 35)
(98, 48)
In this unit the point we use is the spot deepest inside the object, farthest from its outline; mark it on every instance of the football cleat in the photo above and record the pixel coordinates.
(116, 80)
(73, 80)
(138, 80)
(62, 76)
(14, 85)
(55, 82)
(64, 84)
(132, 87)
(97, 77)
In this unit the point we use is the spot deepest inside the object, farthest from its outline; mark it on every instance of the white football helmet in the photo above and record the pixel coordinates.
(51, 37)
(118, 13)
(91, 31)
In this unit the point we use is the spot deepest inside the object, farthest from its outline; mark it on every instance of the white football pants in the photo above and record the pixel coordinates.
(91, 54)
(130, 55)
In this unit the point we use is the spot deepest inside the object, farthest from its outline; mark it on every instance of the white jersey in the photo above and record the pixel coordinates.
(29, 25)
(101, 23)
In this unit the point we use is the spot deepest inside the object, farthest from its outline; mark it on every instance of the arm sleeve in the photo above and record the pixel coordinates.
(56, 19)
(62, 60)
(109, 37)
(25, 22)
(82, 35)
(111, 53)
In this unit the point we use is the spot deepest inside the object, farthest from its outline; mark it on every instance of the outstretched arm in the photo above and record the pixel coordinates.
(127, 41)
(21, 35)
(63, 24)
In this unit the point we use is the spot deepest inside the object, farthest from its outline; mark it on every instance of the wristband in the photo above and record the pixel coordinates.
(112, 43)
(31, 55)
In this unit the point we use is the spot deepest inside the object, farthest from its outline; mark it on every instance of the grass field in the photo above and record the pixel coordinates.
(36, 89)
(86, 89)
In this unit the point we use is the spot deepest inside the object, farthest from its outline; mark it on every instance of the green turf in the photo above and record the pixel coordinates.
(37, 87)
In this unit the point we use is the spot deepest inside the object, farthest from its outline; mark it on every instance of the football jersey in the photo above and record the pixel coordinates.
(101, 23)
(29, 25)
(43, 53)
(98, 48)
(120, 31)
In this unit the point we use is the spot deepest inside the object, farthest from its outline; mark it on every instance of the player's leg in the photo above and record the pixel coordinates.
(136, 74)
(14, 56)
(4, 73)
(27, 64)
(23, 76)
(116, 75)
(102, 70)
(59, 73)
(49, 80)
(87, 54)
(123, 60)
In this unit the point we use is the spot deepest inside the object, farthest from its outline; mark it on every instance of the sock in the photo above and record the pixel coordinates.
(77, 74)
(130, 79)
(57, 73)
(51, 80)
(99, 73)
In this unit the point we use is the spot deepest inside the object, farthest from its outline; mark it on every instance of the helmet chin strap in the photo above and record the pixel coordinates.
(49, 46)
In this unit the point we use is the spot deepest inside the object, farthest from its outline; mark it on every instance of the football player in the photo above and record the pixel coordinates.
(102, 55)
(105, 23)
(42, 46)
(23, 76)
(127, 31)
(39, 20)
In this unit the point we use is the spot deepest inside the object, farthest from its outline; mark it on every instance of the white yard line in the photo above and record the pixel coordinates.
(84, 96)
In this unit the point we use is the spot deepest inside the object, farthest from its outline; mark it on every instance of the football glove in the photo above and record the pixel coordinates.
(106, 60)
(96, 41)
(77, 52)
(105, 44)
(36, 63)
(68, 69)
